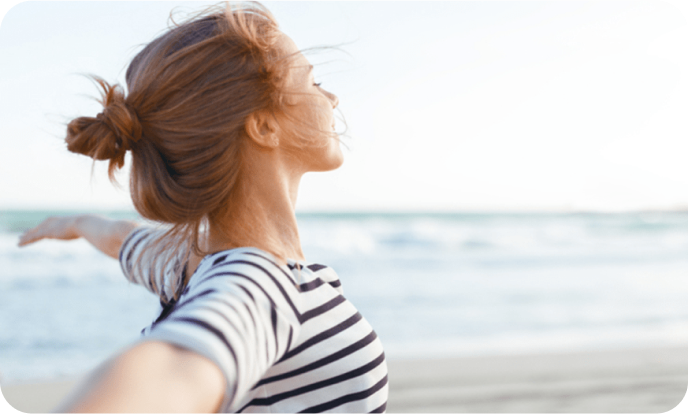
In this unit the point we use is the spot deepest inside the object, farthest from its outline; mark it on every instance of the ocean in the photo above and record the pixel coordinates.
(431, 284)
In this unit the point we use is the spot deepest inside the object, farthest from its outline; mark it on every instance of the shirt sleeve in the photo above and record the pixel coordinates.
(150, 267)
(239, 311)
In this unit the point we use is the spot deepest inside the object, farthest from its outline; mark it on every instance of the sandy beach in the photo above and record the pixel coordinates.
(628, 381)
(622, 381)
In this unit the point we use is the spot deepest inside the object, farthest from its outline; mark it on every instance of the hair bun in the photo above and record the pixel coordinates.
(111, 133)
(121, 119)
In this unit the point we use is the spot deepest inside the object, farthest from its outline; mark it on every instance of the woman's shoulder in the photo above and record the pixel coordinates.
(149, 267)
(133, 240)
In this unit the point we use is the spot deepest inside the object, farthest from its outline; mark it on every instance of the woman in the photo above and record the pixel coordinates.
(222, 118)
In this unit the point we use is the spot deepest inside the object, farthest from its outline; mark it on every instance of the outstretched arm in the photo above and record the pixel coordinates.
(105, 234)
(151, 377)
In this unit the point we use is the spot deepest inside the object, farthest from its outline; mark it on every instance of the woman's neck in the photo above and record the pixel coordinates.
(263, 214)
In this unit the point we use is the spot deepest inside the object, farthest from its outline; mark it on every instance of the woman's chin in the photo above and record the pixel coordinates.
(338, 159)
(330, 163)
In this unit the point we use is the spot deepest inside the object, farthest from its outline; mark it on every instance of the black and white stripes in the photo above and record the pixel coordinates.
(284, 336)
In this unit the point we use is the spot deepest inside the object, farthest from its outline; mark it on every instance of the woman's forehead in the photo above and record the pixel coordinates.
(300, 66)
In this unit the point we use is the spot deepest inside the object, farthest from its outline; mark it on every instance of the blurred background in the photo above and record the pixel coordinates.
(515, 178)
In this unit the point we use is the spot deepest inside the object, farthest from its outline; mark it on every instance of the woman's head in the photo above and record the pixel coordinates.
(197, 96)
(189, 93)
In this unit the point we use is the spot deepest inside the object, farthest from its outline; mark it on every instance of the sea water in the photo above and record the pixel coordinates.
(432, 285)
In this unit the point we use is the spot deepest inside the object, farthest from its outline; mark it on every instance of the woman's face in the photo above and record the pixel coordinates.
(309, 114)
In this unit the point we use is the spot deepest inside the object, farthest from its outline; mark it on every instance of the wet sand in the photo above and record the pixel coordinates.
(622, 381)
(628, 381)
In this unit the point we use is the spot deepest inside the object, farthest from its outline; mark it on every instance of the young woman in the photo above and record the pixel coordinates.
(222, 118)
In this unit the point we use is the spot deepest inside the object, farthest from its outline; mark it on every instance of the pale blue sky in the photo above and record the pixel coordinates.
(451, 105)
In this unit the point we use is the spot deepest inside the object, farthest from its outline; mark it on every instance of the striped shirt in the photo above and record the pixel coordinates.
(284, 336)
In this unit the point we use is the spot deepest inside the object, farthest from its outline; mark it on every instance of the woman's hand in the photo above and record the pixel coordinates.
(61, 228)
(104, 234)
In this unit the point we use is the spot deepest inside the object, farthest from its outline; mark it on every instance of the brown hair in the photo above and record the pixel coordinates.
(190, 92)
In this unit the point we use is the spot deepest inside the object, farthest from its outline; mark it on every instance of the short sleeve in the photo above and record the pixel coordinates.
(239, 310)
(161, 266)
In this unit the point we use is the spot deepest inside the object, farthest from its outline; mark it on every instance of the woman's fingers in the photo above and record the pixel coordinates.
(51, 228)
(32, 235)
(28, 238)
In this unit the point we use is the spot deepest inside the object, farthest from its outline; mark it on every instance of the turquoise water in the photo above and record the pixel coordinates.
(431, 284)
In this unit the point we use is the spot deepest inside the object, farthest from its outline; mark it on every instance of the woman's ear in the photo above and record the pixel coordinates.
(263, 129)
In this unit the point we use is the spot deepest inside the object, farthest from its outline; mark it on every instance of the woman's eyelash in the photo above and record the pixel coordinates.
(318, 84)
